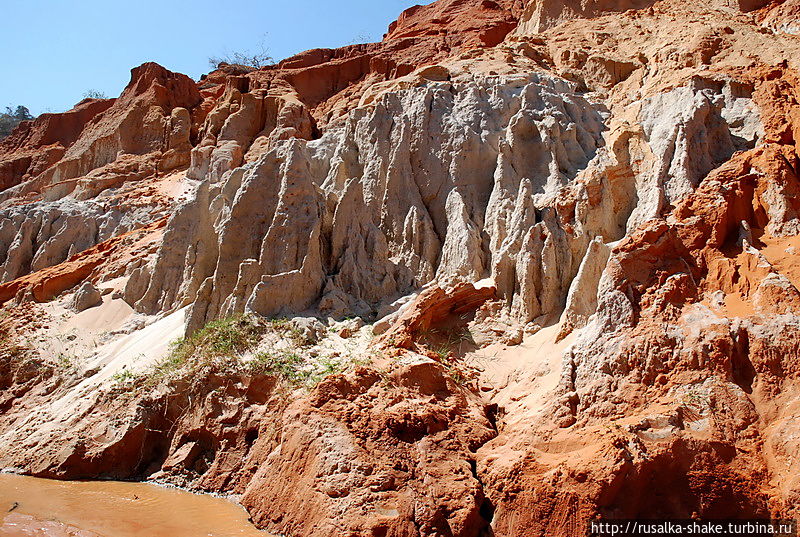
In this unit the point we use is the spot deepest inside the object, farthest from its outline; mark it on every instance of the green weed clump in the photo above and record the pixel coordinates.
(124, 378)
(292, 367)
(227, 338)
(286, 365)
(224, 347)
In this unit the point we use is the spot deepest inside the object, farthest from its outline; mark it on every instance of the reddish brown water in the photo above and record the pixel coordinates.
(112, 509)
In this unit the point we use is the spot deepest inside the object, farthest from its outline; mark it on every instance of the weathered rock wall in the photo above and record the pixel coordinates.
(468, 178)
(435, 181)
(622, 178)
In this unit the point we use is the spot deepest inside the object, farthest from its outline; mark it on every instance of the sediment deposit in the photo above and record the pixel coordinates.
(518, 265)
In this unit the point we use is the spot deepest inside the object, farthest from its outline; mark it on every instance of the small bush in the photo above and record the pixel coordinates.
(229, 337)
(285, 365)
(124, 378)
(66, 361)
(247, 58)
(11, 118)
(94, 94)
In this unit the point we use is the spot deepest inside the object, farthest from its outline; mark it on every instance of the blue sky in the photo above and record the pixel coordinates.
(56, 50)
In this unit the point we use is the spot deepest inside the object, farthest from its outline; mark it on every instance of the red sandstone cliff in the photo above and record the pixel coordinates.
(517, 266)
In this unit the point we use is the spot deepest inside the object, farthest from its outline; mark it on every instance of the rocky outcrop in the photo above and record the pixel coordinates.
(541, 15)
(47, 283)
(90, 177)
(314, 456)
(422, 233)
(434, 309)
(330, 82)
(87, 296)
(139, 122)
(674, 381)
(573, 225)
(582, 296)
(38, 144)
(782, 17)
(458, 204)
(465, 24)
(34, 237)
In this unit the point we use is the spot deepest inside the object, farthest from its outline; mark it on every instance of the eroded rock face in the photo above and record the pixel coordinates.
(136, 124)
(782, 17)
(669, 382)
(71, 181)
(371, 211)
(541, 15)
(39, 144)
(696, 128)
(467, 24)
(34, 237)
(314, 456)
(611, 186)
(109, 259)
(377, 207)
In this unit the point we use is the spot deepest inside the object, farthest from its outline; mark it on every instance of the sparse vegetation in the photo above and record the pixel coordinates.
(65, 361)
(283, 364)
(124, 377)
(94, 94)
(693, 397)
(229, 346)
(284, 326)
(11, 118)
(20, 361)
(293, 367)
(229, 336)
(254, 59)
(446, 344)
(360, 38)
(224, 338)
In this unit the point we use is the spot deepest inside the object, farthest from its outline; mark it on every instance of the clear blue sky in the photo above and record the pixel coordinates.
(56, 50)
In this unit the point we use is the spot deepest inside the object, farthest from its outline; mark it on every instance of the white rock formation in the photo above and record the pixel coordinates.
(692, 130)
(36, 236)
(508, 176)
(439, 181)
(87, 296)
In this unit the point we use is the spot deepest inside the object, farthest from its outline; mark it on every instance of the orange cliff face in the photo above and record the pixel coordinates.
(517, 266)
(94, 132)
(38, 144)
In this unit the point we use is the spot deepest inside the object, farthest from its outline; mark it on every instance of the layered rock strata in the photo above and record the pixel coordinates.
(574, 227)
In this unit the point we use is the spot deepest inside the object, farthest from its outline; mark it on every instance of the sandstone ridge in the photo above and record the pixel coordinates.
(518, 265)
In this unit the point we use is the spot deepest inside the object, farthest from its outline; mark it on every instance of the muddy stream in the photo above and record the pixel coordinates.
(31, 507)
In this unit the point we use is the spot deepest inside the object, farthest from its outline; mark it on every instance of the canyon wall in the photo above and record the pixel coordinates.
(540, 259)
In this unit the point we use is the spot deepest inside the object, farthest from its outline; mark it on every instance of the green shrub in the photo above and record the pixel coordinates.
(124, 377)
(94, 94)
(11, 118)
(286, 365)
(225, 338)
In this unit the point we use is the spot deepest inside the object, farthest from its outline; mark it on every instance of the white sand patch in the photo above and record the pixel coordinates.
(176, 186)
(139, 350)
(70, 338)
(109, 316)
(135, 352)
(521, 378)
